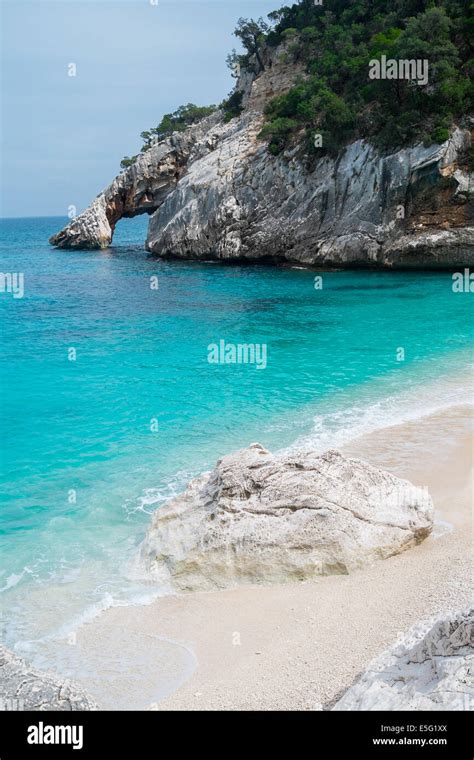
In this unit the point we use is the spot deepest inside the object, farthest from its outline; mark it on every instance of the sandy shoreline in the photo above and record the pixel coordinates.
(299, 646)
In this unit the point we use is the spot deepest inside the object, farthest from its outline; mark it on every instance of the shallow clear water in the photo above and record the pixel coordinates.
(82, 467)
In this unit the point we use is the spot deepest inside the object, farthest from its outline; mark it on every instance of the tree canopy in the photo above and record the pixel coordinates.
(177, 121)
(336, 99)
(252, 35)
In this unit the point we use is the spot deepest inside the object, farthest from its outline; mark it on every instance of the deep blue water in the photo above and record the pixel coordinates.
(82, 467)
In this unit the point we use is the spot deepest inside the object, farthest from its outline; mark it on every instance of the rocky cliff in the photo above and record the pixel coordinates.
(216, 192)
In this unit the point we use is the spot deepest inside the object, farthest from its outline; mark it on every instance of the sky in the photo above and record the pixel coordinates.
(63, 136)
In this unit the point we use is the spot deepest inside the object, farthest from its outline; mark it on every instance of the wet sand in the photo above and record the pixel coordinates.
(299, 646)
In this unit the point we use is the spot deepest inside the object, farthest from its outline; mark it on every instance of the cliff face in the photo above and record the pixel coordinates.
(215, 192)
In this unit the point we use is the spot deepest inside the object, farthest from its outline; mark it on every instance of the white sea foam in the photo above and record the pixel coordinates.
(12, 581)
(67, 630)
(332, 428)
(337, 428)
(151, 498)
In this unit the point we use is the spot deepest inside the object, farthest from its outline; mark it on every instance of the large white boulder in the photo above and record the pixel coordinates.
(260, 518)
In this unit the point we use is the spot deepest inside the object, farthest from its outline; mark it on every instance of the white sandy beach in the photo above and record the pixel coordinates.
(300, 646)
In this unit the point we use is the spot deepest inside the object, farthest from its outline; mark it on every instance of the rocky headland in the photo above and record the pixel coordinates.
(215, 191)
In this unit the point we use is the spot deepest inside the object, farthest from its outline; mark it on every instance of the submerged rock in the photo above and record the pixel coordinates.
(25, 688)
(431, 669)
(260, 518)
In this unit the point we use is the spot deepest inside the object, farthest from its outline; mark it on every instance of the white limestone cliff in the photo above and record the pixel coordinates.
(216, 192)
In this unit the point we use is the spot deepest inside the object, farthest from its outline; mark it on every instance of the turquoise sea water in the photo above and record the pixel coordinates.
(82, 468)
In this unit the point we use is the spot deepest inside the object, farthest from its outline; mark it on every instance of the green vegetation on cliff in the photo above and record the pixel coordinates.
(338, 100)
(177, 121)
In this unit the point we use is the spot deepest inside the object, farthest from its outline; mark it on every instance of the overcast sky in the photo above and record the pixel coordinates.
(63, 137)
